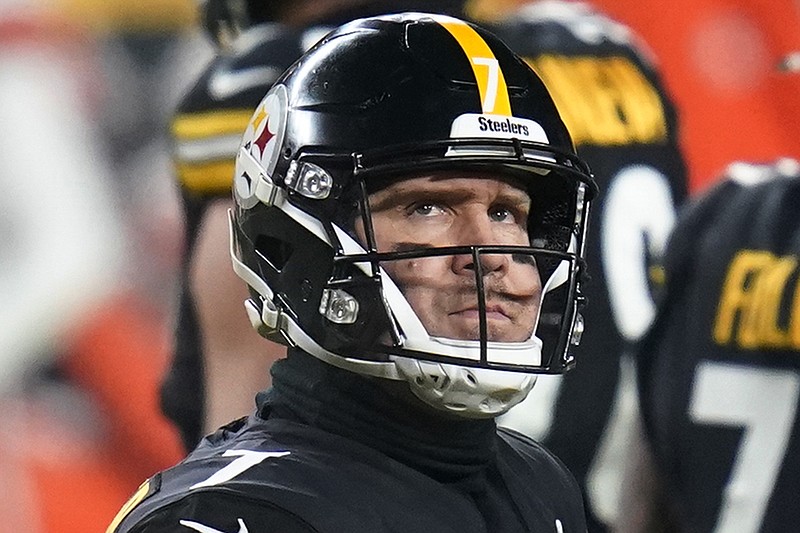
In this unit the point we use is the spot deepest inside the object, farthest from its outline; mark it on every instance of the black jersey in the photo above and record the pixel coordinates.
(276, 475)
(330, 452)
(720, 370)
(207, 127)
(624, 126)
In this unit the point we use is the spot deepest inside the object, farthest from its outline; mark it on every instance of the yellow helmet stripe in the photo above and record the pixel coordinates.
(488, 75)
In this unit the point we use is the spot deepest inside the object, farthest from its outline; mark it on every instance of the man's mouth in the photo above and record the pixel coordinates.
(493, 312)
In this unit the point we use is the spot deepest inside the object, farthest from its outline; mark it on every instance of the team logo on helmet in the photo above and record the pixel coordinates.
(475, 125)
(497, 126)
(263, 139)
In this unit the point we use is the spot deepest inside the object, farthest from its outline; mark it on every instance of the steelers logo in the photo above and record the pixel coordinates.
(267, 128)
(263, 139)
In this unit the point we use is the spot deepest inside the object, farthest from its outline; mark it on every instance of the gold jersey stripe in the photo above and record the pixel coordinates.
(206, 179)
(488, 75)
(141, 493)
(210, 124)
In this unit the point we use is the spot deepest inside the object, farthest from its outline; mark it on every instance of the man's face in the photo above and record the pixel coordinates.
(460, 209)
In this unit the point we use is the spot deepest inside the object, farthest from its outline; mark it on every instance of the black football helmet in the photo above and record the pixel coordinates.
(385, 98)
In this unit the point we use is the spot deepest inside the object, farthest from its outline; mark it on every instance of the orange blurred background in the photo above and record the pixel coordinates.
(719, 60)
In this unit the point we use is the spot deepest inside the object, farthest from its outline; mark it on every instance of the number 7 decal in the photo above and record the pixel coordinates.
(246, 459)
(487, 86)
(488, 75)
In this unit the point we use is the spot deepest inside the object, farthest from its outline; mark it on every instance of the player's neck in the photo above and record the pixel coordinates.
(366, 410)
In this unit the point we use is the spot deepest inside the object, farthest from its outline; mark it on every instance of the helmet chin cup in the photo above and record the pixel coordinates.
(465, 391)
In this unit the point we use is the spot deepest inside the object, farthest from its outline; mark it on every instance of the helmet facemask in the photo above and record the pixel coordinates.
(467, 325)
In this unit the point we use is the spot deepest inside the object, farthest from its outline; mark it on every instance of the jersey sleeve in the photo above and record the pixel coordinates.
(548, 477)
(204, 511)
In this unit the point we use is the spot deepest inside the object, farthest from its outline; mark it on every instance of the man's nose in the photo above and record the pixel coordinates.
(479, 233)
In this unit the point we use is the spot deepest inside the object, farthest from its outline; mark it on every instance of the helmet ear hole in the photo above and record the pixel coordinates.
(276, 252)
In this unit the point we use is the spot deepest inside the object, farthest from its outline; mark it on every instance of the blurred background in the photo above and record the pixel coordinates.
(91, 240)
(92, 231)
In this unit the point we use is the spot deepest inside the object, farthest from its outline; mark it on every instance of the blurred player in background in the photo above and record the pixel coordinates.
(609, 92)
(219, 362)
(719, 373)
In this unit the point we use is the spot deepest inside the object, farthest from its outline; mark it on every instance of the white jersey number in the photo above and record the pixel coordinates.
(637, 218)
(245, 460)
(763, 402)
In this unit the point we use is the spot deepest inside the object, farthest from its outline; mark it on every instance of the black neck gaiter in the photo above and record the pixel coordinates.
(380, 414)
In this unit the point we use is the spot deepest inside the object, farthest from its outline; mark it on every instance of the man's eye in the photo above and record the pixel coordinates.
(427, 209)
(501, 214)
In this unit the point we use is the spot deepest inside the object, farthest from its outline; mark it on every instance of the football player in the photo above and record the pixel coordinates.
(614, 103)
(219, 363)
(719, 373)
(410, 219)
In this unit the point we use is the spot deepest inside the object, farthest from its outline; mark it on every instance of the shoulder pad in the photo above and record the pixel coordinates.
(208, 124)
(749, 174)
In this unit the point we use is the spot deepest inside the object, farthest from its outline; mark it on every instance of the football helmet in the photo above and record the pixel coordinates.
(378, 100)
